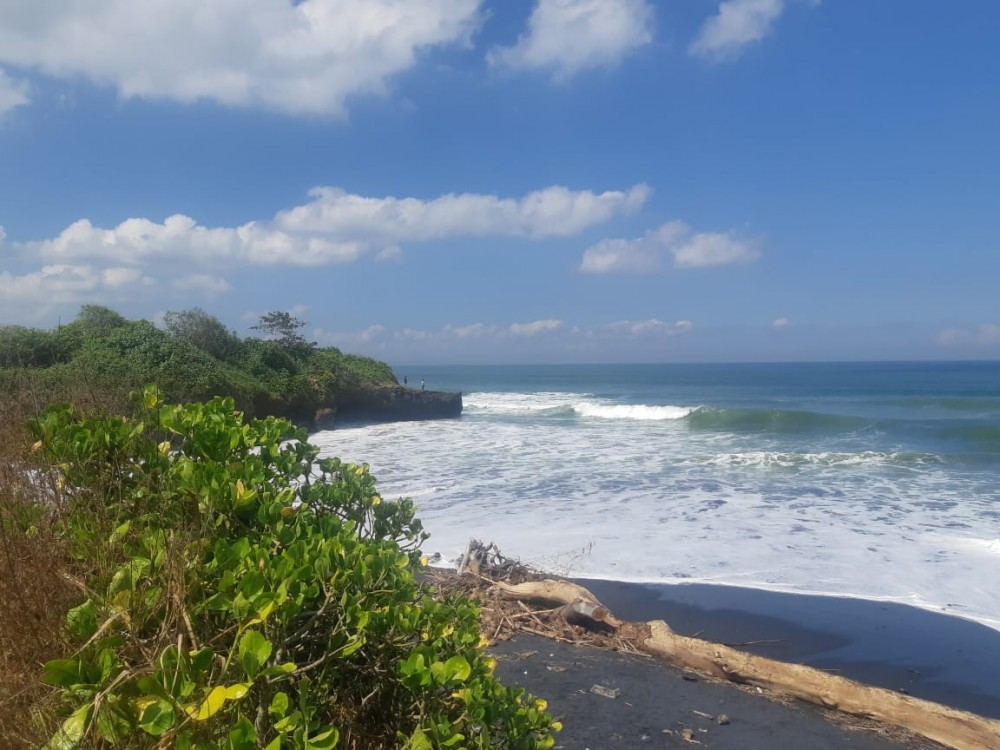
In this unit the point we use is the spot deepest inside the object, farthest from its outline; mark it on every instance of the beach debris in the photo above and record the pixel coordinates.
(722, 720)
(688, 736)
(703, 660)
(702, 714)
(605, 691)
(486, 560)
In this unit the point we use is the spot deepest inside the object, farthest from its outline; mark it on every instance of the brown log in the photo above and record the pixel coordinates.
(585, 613)
(547, 592)
(952, 728)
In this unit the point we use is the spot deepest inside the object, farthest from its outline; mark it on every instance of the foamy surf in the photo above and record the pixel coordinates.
(665, 480)
(567, 404)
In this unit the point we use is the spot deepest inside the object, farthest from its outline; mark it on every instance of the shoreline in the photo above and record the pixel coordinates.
(938, 657)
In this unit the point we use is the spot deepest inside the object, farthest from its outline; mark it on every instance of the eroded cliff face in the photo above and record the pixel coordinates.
(389, 404)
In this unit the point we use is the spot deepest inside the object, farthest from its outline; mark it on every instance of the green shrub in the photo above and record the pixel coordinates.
(31, 347)
(244, 593)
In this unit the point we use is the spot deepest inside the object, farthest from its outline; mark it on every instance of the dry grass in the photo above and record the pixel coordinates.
(36, 572)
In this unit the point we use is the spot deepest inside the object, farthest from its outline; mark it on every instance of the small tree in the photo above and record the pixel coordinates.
(205, 331)
(283, 327)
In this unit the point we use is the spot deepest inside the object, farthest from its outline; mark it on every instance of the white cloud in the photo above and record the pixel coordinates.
(297, 57)
(653, 326)
(737, 24)
(674, 239)
(12, 94)
(371, 332)
(552, 212)
(713, 249)
(33, 294)
(568, 36)
(337, 227)
(987, 335)
(781, 323)
(473, 330)
(534, 328)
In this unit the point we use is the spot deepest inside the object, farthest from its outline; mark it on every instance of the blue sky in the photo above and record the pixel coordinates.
(448, 181)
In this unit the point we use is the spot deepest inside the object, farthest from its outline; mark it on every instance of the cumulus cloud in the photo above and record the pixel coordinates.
(674, 240)
(986, 335)
(297, 57)
(13, 94)
(555, 211)
(568, 36)
(337, 227)
(781, 323)
(736, 24)
(535, 327)
(33, 294)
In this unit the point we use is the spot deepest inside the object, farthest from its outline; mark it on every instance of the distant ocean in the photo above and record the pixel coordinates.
(878, 481)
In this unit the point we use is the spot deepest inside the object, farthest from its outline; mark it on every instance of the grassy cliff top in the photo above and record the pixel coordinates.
(103, 356)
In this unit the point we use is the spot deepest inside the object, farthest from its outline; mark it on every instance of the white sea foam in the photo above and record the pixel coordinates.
(651, 500)
(583, 405)
(630, 411)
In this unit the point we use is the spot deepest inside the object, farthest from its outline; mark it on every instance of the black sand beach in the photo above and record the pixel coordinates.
(933, 656)
(938, 657)
(656, 707)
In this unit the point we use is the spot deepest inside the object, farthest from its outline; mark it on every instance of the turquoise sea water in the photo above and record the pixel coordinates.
(879, 481)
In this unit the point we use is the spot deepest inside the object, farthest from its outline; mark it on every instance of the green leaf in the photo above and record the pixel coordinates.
(237, 691)
(81, 621)
(278, 669)
(274, 744)
(458, 668)
(242, 736)
(201, 659)
(210, 706)
(325, 740)
(63, 672)
(72, 730)
(157, 718)
(279, 705)
(419, 741)
(255, 650)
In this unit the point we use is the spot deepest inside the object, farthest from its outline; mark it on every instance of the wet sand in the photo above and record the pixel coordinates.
(658, 706)
(934, 656)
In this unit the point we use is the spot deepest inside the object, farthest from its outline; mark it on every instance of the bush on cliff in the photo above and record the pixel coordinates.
(194, 358)
(239, 592)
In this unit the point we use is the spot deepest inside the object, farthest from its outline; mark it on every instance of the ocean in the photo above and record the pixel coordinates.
(876, 481)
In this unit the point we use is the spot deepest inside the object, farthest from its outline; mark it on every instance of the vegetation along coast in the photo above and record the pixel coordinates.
(183, 569)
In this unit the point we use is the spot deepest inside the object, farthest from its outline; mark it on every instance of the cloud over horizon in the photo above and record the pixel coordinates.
(333, 228)
(984, 336)
(674, 239)
(566, 37)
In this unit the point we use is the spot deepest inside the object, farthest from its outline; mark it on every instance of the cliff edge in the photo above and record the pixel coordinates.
(389, 404)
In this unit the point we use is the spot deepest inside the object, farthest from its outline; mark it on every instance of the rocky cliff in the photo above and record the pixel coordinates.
(389, 404)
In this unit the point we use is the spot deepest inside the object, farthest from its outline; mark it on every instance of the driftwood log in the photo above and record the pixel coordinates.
(950, 727)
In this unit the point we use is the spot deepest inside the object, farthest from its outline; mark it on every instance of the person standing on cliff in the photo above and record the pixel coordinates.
(422, 384)
(404, 381)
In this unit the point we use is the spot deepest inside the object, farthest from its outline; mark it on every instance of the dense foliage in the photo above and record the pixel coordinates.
(236, 591)
(194, 357)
